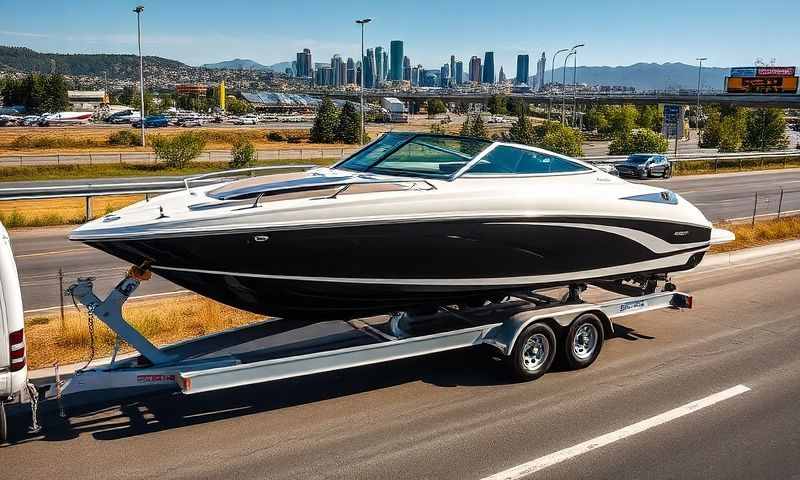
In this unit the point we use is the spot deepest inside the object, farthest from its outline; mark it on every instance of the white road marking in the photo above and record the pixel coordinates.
(603, 440)
(55, 252)
(140, 297)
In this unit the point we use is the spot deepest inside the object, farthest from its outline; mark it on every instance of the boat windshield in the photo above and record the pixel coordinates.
(411, 154)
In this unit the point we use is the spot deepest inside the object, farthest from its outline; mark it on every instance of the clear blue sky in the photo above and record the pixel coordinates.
(729, 32)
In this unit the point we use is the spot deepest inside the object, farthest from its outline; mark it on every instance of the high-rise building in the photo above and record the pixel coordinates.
(502, 77)
(379, 65)
(351, 70)
(305, 67)
(406, 68)
(475, 69)
(540, 67)
(323, 75)
(488, 67)
(452, 70)
(294, 68)
(523, 64)
(459, 73)
(396, 52)
(358, 73)
(444, 75)
(415, 73)
(336, 63)
(385, 72)
(369, 69)
(342, 73)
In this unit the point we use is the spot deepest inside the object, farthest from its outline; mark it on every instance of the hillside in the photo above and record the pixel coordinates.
(116, 65)
(646, 76)
(237, 64)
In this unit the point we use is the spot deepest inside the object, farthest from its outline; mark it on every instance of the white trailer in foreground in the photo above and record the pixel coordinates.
(528, 329)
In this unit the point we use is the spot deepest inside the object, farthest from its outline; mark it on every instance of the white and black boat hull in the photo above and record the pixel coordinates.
(361, 269)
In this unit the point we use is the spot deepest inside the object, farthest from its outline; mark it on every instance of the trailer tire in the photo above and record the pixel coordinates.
(3, 424)
(583, 341)
(533, 352)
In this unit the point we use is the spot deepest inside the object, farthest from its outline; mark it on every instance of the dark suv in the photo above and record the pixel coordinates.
(644, 165)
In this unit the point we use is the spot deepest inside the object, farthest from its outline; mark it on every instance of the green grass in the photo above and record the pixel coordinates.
(59, 172)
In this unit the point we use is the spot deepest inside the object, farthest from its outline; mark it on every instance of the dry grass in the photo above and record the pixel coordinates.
(58, 211)
(161, 321)
(763, 232)
(734, 165)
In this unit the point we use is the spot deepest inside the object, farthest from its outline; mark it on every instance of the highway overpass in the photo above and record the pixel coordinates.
(744, 100)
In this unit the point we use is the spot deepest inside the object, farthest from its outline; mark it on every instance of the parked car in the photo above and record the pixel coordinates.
(645, 165)
(152, 121)
(608, 168)
(30, 120)
(191, 122)
(246, 120)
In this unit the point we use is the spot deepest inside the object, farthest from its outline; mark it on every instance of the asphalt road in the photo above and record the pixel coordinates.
(454, 415)
(41, 252)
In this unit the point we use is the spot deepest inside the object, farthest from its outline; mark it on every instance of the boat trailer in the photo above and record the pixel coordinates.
(527, 329)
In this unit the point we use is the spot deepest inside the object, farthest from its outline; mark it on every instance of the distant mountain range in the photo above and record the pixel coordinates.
(645, 76)
(642, 76)
(117, 66)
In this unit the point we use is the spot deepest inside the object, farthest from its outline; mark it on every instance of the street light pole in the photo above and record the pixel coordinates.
(574, 82)
(564, 91)
(362, 22)
(552, 74)
(139, 9)
(699, 87)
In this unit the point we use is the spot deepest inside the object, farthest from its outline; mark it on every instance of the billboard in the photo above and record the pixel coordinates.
(761, 85)
(774, 72)
(743, 71)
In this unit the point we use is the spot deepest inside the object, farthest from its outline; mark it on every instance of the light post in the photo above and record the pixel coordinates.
(138, 10)
(574, 82)
(564, 84)
(362, 22)
(552, 74)
(699, 87)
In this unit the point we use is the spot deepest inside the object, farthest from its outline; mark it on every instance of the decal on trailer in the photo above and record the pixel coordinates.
(154, 378)
(624, 307)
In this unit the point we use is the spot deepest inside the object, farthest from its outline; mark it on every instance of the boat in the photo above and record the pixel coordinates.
(408, 222)
(66, 118)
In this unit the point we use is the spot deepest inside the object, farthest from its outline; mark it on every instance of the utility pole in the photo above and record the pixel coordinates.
(564, 91)
(552, 74)
(697, 110)
(139, 9)
(574, 82)
(362, 22)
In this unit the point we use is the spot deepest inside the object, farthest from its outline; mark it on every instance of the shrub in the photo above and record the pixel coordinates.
(177, 151)
(638, 141)
(127, 138)
(349, 128)
(275, 137)
(558, 138)
(294, 139)
(436, 106)
(326, 123)
(51, 141)
(243, 153)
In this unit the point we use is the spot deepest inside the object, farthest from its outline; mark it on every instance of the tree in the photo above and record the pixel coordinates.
(243, 153)
(349, 126)
(177, 151)
(55, 94)
(521, 131)
(237, 107)
(766, 130)
(466, 127)
(711, 129)
(558, 138)
(478, 129)
(595, 118)
(638, 141)
(325, 123)
(498, 104)
(650, 118)
(436, 106)
(730, 134)
(621, 120)
(149, 103)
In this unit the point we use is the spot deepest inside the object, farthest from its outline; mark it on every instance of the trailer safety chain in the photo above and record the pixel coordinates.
(33, 394)
(90, 319)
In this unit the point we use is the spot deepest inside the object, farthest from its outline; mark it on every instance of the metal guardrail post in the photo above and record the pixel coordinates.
(88, 208)
(716, 164)
(120, 158)
(755, 207)
(780, 203)
(90, 159)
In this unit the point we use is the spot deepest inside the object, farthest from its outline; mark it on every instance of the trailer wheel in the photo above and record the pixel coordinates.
(583, 341)
(533, 352)
(3, 424)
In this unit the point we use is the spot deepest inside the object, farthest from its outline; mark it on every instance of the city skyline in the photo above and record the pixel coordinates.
(92, 27)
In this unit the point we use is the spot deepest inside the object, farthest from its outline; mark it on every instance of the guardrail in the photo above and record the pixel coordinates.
(108, 158)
